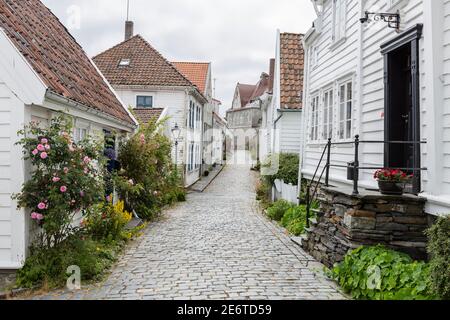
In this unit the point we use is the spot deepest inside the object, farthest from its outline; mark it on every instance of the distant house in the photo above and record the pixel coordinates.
(282, 125)
(199, 73)
(144, 80)
(388, 84)
(245, 115)
(43, 70)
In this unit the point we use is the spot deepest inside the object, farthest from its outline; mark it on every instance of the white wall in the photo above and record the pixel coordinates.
(177, 103)
(360, 57)
(12, 221)
(335, 62)
(291, 132)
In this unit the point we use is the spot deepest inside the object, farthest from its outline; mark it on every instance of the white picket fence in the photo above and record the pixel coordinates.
(288, 192)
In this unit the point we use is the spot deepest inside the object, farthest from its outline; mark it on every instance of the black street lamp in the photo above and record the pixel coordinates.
(392, 19)
(176, 133)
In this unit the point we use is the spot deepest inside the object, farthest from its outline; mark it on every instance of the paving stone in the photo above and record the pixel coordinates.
(216, 245)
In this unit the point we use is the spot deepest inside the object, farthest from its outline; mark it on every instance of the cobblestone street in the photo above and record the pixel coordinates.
(214, 246)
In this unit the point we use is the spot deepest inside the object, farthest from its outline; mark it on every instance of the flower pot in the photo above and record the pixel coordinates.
(391, 187)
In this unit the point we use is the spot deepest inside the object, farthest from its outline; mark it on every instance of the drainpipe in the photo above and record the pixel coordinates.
(275, 130)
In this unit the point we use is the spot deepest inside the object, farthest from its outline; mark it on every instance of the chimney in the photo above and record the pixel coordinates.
(129, 26)
(271, 75)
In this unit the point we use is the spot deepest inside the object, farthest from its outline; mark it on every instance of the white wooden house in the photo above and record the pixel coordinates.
(43, 70)
(144, 79)
(383, 83)
(281, 129)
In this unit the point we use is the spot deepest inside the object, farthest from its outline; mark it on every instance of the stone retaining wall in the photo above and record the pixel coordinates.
(346, 222)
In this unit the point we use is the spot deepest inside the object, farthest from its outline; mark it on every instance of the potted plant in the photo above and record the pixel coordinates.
(391, 181)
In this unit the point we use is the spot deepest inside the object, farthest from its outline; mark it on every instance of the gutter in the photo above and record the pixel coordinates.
(81, 107)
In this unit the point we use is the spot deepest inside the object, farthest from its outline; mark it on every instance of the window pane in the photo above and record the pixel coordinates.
(349, 91)
(144, 102)
(341, 130)
(349, 129)
(342, 94)
(349, 110)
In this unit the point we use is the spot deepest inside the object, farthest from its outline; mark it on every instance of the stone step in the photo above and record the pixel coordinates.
(313, 222)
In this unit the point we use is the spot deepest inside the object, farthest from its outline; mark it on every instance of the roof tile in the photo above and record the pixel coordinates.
(56, 56)
(292, 60)
(196, 72)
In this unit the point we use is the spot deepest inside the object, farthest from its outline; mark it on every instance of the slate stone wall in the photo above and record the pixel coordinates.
(346, 222)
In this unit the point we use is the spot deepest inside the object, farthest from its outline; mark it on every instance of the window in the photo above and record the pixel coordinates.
(80, 134)
(124, 62)
(339, 19)
(314, 56)
(144, 102)
(197, 156)
(327, 115)
(345, 110)
(191, 157)
(315, 118)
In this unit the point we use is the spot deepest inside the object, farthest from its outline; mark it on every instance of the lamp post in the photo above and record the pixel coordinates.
(176, 132)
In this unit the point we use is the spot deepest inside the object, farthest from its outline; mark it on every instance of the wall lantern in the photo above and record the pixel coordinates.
(392, 19)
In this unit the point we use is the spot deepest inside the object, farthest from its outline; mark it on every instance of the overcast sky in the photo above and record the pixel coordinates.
(237, 36)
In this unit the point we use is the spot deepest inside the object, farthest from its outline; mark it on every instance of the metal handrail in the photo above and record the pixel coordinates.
(356, 168)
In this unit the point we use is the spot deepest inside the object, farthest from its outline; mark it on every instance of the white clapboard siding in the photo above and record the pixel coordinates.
(446, 97)
(335, 63)
(291, 132)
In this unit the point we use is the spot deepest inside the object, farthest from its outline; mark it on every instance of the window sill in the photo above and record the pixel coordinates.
(336, 44)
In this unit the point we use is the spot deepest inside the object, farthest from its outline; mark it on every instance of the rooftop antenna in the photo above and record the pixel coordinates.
(128, 10)
(129, 25)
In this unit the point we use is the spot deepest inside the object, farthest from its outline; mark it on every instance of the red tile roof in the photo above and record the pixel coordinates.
(197, 72)
(291, 65)
(146, 115)
(56, 57)
(245, 92)
(147, 66)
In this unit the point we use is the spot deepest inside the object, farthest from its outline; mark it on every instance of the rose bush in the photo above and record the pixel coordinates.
(147, 180)
(65, 179)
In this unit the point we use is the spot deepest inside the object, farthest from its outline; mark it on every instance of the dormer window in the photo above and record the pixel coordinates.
(124, 63)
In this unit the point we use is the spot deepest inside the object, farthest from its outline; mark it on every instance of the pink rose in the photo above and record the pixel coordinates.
(87, 159)
(40, 147)
(56, 179)
(63, 189)
(39, 217)
(66, 170)
(35, 152)
(34, 215)
(44, 141)
(44, 155)
(86, 170)
(41, 206)
(47, 147)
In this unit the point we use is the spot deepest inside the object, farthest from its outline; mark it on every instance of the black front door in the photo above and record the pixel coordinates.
(400, 110)
(402, 104)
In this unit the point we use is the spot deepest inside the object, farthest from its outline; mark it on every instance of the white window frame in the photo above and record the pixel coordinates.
(345, 109)
(339, 16)
(328, 113)
(80, 131)
(314, 119)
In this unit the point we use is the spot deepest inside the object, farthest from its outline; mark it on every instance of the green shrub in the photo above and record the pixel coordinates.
(107, 221)
(376, 273)
(289, 165)
(439, 250)
(148, 180)
(294, 220)
(277, 210)
(48, 266)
